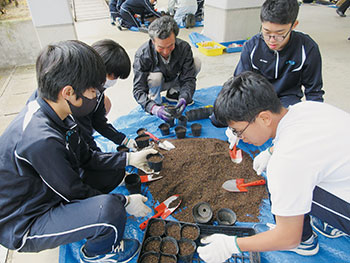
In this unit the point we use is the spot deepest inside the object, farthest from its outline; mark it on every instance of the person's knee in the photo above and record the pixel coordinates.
(111, 210)
(155, 79)
(108, 105)
(197, 65)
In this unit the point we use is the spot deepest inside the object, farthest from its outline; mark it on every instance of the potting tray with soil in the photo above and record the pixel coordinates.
(176, 241)
(196, 170)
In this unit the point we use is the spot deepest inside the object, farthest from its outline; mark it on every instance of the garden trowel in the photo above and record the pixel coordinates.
(164, 209)
(236, 154)
(150, 177)
(165, 145)
(238, 185)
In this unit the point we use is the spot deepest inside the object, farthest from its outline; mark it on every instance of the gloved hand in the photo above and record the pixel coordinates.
(130, 143)
(219, 248)
(260, 162)
(136, 206)
(160, 112)
(180, 106)
(138, 159)
(232, 139)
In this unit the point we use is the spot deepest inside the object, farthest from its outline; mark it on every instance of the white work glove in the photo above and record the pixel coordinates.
(130, 143)
(232, 139)
(136, 206)
(260, 161)
(138, 159)
(219, 248)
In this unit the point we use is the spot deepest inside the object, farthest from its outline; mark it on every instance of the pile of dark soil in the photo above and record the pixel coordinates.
(196, 170)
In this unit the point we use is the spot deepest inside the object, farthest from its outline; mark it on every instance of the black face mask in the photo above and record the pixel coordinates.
(86, 107)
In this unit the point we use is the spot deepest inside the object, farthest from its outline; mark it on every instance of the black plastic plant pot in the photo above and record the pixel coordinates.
(187, 247)
(196, 129)
(133, 183)
(171, 122)
(190, 231)
(173, 229)
(156, 227)
(150, 257)
(202, 213)
(152, 244)
(172, 110)
(141, 131)
(180, 132)
(226, 217)
(122, 148)
(199, 113)
(169, 246)
(142, 141)
(164, 128)
(182, 121)
(155, 161)
(167, 258)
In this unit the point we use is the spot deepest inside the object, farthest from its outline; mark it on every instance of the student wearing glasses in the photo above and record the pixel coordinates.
(249, 105)
(288, 59)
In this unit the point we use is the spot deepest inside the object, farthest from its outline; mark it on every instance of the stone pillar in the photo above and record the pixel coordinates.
(52, 20)
(229, 20)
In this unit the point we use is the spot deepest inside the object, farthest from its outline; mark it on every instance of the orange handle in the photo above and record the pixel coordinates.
(144, 224)
(259, 182)
(152, 136)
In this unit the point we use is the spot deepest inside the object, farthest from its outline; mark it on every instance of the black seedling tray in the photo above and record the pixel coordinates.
(205, 230)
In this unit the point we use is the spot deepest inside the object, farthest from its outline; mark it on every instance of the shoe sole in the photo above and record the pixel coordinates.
(323, 233)
(306, 252)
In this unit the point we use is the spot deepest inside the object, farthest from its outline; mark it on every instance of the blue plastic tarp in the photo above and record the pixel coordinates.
(331, 250)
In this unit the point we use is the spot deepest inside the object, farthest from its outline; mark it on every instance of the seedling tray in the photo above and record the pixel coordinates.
(233, 49)
(205, 230)
(211, 48)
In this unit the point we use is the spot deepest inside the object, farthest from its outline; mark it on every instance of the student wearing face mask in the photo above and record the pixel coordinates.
(118, 65)
(46, 169)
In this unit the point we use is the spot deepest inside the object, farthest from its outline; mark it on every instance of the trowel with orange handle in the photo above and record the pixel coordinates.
(238, 185)
(164, 209)
(236, 155)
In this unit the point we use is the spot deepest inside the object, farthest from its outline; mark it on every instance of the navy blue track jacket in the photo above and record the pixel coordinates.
(139, 7)
(40, 158)
(297, 64)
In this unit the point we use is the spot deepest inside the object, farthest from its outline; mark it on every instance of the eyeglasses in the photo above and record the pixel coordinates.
(239, 133)
(278, 38)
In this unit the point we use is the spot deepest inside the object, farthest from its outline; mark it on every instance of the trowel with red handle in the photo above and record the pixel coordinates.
(164, 209)
(150, 177)
(238, 185)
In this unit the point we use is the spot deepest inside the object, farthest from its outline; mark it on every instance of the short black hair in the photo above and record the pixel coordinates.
(243, 97)
(163, 27)
(68, 63)
(279, 11)
(115, 58)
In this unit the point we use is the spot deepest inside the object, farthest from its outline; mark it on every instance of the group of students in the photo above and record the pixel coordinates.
(124, 12)
(51, 169)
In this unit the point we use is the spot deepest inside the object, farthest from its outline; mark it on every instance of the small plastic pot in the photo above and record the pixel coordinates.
(187, 247)
(133, 183)
(156, 227)
(155, 161)
(180, 132)
(173, 229)
(142, 141)
(169, 246)
(182, 121)
(150, 257)
(172, 110)
(141, 131)
(202, 213)
(122, 148)
(196, 129)
(226, 216)
(164, 128)
(190, 231)
(152, 244)
(167, 258)
(171, 122)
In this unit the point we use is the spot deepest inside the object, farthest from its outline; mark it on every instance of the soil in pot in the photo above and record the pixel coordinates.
(167, 259)
(186, 248)
(196, 170)
(156, 228)
(150, 258)
(173, 230)
(190, 232)
(169, 246)
(152, 244)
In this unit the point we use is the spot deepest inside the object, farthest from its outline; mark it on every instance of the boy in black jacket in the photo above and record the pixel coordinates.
(45, 166)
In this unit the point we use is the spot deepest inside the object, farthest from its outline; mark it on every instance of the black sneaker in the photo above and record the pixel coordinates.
(340, 13)
(173, 96)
